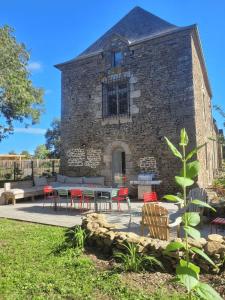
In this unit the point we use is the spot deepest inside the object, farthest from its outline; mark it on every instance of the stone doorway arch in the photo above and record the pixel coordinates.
(117, 150)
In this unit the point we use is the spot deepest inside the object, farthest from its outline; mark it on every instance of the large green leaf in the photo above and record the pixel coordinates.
(187, 276)
(184, 182)
(206, 292)
(183, 137)
(192, 218)
(201, 203)
(202, 254)
(173, 198)
(193, 152)
(184, 263)
(192, 169)
(174, 246)
(194, 233)
(173, 149)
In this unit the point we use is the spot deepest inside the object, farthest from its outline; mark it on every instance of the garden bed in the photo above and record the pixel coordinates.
(103, 235)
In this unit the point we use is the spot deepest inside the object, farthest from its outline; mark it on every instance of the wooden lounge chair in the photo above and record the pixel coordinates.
(156, 219)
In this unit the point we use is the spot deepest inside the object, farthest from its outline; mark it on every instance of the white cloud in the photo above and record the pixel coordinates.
(34, 66)
(40, 131)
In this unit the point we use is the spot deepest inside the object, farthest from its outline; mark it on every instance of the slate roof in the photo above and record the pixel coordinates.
(136, 25)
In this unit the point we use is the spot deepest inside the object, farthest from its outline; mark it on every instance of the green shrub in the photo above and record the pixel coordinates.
(219, 183)
(187, 273)
(79, 238)
(132, 261)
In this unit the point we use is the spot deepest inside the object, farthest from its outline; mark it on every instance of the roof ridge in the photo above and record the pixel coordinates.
(136, 25)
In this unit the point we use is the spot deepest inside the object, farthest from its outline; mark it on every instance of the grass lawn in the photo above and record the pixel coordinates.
(31, 269)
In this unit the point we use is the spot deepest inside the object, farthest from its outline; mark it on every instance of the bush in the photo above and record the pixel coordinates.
(132, 261)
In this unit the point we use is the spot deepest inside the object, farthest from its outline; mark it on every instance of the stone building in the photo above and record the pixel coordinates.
(142, 80)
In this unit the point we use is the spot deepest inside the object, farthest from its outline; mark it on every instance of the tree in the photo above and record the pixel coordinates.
(221, 138)
(220, 111)
(19, 100)
(26, 153)
(53, 140)
(12, 152)
(41, 152)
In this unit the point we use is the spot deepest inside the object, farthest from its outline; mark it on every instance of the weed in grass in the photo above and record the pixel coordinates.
(79, 238)
(74, 238)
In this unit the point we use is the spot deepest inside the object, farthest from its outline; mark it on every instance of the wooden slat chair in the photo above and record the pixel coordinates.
(156, 219)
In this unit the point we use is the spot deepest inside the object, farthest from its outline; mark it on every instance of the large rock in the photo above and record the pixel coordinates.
(216, 238)
(197, 243)
(101, 230)
(132, 238)
(110, 235)
(107, 225)
(214, 247)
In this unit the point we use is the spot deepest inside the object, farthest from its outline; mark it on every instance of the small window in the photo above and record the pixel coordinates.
(206, 157)
(117, 58)
(203, 103)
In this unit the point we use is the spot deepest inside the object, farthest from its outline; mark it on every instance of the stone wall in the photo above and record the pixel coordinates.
(163, 91)
(161, 103)
(103, 235)
(205, 129)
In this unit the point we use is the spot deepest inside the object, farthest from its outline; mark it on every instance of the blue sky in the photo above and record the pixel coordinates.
(55, 31)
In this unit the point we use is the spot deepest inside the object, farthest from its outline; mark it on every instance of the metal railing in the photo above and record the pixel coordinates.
(14, 170)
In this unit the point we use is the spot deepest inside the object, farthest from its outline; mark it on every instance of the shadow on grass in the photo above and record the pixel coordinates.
(68, 243)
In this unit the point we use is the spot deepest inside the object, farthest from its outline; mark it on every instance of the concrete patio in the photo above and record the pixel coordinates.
(36, 213)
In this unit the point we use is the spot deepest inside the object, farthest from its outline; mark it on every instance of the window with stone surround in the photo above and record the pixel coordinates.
(203, 103)
(117, 58)
(206, 156)
(115, 100)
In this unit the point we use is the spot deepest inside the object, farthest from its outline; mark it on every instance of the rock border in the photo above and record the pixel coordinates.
(103, 235)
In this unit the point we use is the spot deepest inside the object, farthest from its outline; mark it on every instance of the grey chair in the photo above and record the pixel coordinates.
(63, 195)
(199, 194)
(103, 200)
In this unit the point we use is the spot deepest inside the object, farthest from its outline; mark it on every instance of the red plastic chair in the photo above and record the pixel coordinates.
(122, 196)
(150, 197)
(48, 194)
(89, 196)
(76, 194)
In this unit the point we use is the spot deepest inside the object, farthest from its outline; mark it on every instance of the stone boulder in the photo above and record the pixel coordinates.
(216, 238)
(214, 247)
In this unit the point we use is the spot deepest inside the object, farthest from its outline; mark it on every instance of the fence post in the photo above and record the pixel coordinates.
(32, 171)
(53, 167)
(14, 171)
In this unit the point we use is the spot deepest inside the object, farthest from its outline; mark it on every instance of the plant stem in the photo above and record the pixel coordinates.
(185, 204)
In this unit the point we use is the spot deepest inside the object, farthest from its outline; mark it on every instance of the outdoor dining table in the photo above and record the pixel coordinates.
(112, 192)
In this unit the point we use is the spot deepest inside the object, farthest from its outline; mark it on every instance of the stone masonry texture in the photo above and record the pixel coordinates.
(167, 81)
